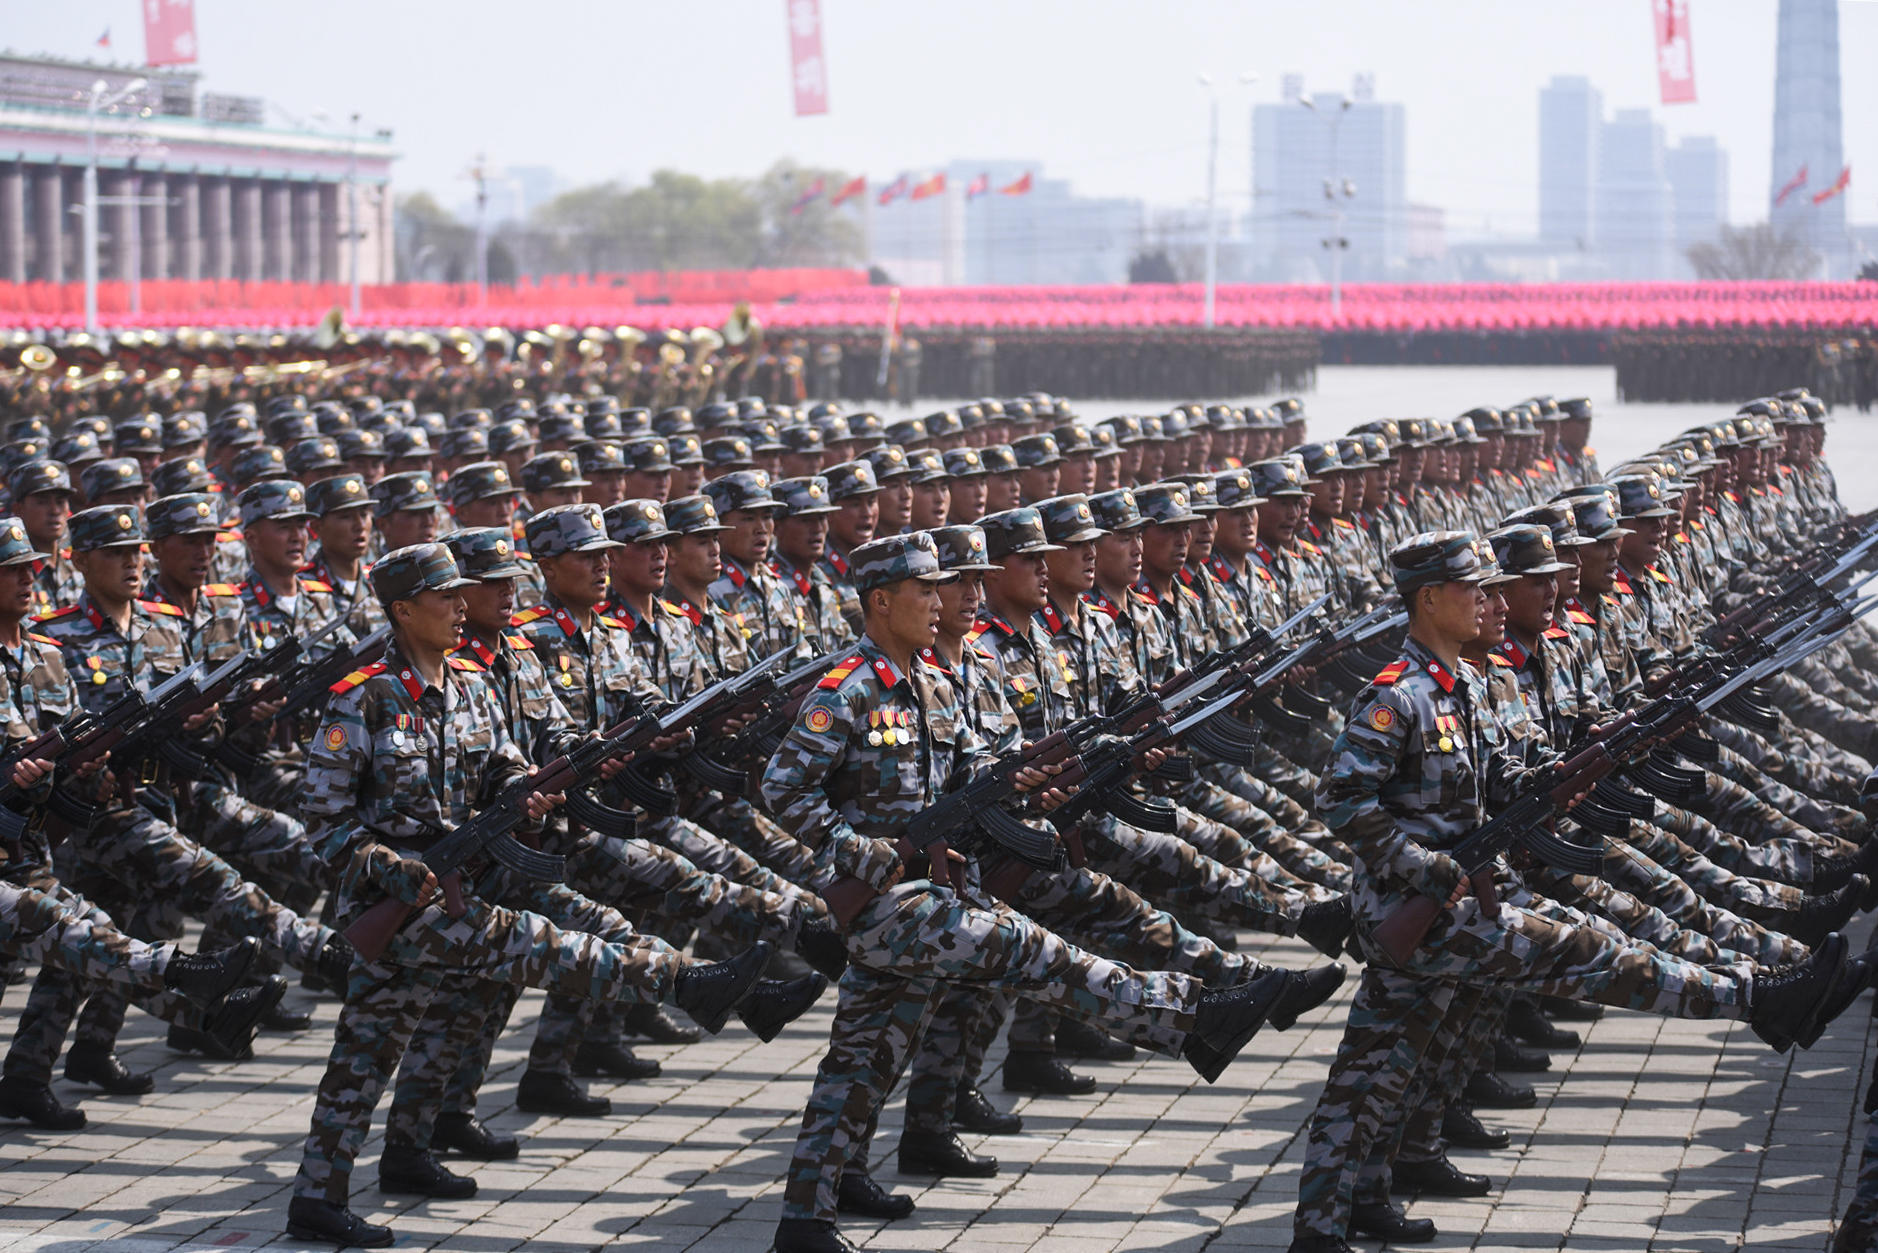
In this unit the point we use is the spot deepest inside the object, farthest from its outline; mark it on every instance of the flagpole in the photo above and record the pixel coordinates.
(886, 338)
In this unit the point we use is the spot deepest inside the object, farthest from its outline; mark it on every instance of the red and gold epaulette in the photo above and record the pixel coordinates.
(458, 662)
(63, 611)
(221, 589)
(985, 653)
(1621, 584)
(1391, 672)
(357, 677)
(834, 678)
(1558, 632)
(1581, 617)
(41, 639)
(527, 616)
(1309, 547)
(519, 642)
(972, 636)
(162, 607)
(1345, 523)
(316, 585)
(608, 620)
(673, 608)
(1657, 574)
(1496, 660)
(931, 658)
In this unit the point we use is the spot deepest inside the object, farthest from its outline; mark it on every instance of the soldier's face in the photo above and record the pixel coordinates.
(44, 515)
(605, 487)
(1452, 610)
(112, 575)
(1108, 473)
(495, 511)
(800, 464)
(751, 533)
(931, 502)
(1118, 558)
(404, 527)
(1644, 544)
(432, 619)
(488, 606)
(184, 560)
(855, 519)
(1164, 548)
(1072, 571)
(968, 500)
(896, 504)
(1200, 538)
(16, 591)
(576, 579)
(346, 533)
(1235, 530)
(638, 569)
(371, 469)
(802, 538)
(694, 560)
(1327, 495)
(1492, 617)
(1022, 586)
(1003, 491)
(1077, 474)
(648, 485)
(905, 615)
(551, 497)
(1594, 566)
(958, 605)
(1529, 601)
(1035, 483)
(276, 544)
(1568, 577)
(1280, 517)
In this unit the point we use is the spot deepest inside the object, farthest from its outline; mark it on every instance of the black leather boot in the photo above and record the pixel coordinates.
(1385, 1221)
(773, 1004)
(312, 1219)
(944, 1155)
(1462, 1129)
(34, 1102)
(612, 1060)
(651, 1023)
(972, 1111)
(709, 992)
(1042, 1074)
(1486, 1090)
(1438, 1177)
(465, 1135)
(205, 978)
(808, 1235)
(1079, 1039)
(104, 1070)
(543, 1092)
(859, 1195)
(1226, 1021)
(1510, 1058)
(407, 1170)
(1526, 1024)
(822, 947)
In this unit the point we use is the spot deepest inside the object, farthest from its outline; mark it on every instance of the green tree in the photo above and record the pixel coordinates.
(819, 235)
(1753, 252)
(430, 245)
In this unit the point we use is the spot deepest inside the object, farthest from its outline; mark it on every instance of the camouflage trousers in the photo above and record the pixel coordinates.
(51, 924)
(1303, 844)
(710, 851)
(1787, 860)
(1696, 932)
(268, 845)
(448, 1054)
(1284, 774)
(1714, 884)
(1090, 910)
(901, 946)
(1799, 766)
(1824, 713)
(386, 999)
(1733, 806)
(1172, 873)
(1463, 1045)
(1214, 838)
(1265, 841)
(737, 821)
(1809, 811)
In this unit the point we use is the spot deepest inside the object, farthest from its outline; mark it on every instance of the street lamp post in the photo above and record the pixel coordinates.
(102, 97)
(1337, 189)
(353, 231)
(1212, 189)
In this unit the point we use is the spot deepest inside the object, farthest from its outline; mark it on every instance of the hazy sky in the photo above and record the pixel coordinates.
(1100, 91)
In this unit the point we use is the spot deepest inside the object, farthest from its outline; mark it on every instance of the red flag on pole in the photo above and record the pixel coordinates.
(1838, 185)
(169, 32)
(979, 186)
(1019, 188)
(104, 40)
(893, 191)
(809, 196)
(807, 70)
(1792, 185)
(849, 190)
(1675, 58)
(931, 187)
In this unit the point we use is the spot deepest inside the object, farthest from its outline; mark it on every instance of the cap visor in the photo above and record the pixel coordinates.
(1179, 519)
(702, 530)
(510, 571)
(451, 585)
(1550, 567)
(1083, 536)
(973, 567)
(810, 510)
(25, 559)
(937, 576)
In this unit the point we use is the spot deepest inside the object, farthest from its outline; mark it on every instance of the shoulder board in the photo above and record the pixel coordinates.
(1309, 547)
(1620, 583)
(519, 642)
(1345, 523)
(1557, 632)
(1658, 575)
(673, 608)
(317, 585)
(610, 621)
(1391, 672)
(1139, 598)
(1191, 594)
(1580, 617)
(357, 677)
(834, 678)
(159, 606)
(221, 589)
(36, 637)
(63, 611)
(932, 659)
(464, 663)
(985, 653)
(972, 636)
(1497, 660)
(529, 615)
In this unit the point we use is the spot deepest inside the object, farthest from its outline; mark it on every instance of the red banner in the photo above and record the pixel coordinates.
(1838, 185)
(169, 32)
(807, 70)
(1675, 55)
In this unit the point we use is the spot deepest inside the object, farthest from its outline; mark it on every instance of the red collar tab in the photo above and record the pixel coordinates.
(933, 659)
(885, 672)
(484, 653)
(1053, 619)
(1221, 571)
(1145, 590)
(1441, 674)
(412, 684)
(1512, 651)
(836, 560)
(1096, 598)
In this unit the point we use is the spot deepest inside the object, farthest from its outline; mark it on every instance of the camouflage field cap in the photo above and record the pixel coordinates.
(410, 489)
(234, 430)
(1486, 420)
(963, 463)
(484, 553)
(1236, 489)
(961, 549)
(1117, 510)
(1015, 532)
(561, 428)
(889, 461)
(730, 452)
(1435, 557)
(510, 435)
(568, 529)
(1166, 504)
(714, 416)
(1466, 432)
(1642, 496)
(1352, 455)
(272, 498)
(1377, 448)
(602, 424)
(183, 429)
(833, 428)
(929, 465)
(337, 492)
(1036, 450)
(477, 481)
(1595, 513)
(1173, 424)
(112, 475)
(599, 458)
(1411, 433)
(635, 423)
(78, 448)
(848, 479)
(693, 515)
(908, 433)
(331, 418)
(943, 424)
(465, 444)
(552, 469)
(520, 407)
(38, 475)
(1526, 549)
(15, 548)
(471, 420)
(1126, 427)
(28, 428)
(637, 522)
(1556, 517)
(894, 558)
(686, 450)
(998, 459)
(1319, 458)
(404, 572)
(263, 461)
(356, 444)
(675, 420)
(803, 497)
(1289, 409)
(764, 436)
(179, 475)
(311, 457)
(1069, 520)
(866, 425)
(648, 456)
(1072, 440)
(137, 436)
(1575, 409)
(107, 526)
(1271, 478)
(742, 489)
(290, 427)
(189, 513)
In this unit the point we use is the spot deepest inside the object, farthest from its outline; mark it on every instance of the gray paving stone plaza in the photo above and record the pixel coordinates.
(1656, 1134)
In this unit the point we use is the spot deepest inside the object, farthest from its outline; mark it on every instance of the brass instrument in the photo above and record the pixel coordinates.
(592, 344)
(629, 337)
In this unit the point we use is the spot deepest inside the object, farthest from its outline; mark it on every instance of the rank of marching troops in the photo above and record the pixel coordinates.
(971, 581)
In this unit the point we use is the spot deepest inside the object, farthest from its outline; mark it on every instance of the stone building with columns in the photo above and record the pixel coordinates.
(192, 185)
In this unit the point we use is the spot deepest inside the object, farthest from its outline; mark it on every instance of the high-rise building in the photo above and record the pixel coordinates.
(1571, 119)
(1633, 208)
(1807, 129)
(1697, 169)
(1327, 167)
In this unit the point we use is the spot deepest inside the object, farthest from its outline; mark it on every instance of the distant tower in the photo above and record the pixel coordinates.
(1807, 128)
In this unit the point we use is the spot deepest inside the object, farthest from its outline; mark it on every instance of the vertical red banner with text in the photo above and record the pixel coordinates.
(169, 32)
(808, 72)
(1675, 55)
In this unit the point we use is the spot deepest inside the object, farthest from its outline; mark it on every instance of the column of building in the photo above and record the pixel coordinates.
(13, 223)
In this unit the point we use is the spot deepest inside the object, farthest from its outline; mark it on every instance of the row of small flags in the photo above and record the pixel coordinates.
(904, 187)
(1798, 183)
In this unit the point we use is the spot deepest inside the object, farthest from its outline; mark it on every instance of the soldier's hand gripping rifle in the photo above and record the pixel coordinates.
(299, 682)
(491, 831)
(723, 761)
(160, 738)
(1527, 820)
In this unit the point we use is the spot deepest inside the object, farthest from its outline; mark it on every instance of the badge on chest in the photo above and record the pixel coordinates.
(1448, 728)
(891, 727)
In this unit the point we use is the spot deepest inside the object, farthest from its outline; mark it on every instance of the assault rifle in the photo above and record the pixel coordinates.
(1526, 822)
(299, 681)
(723, 764)
(491, 831)
(1803, 586)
